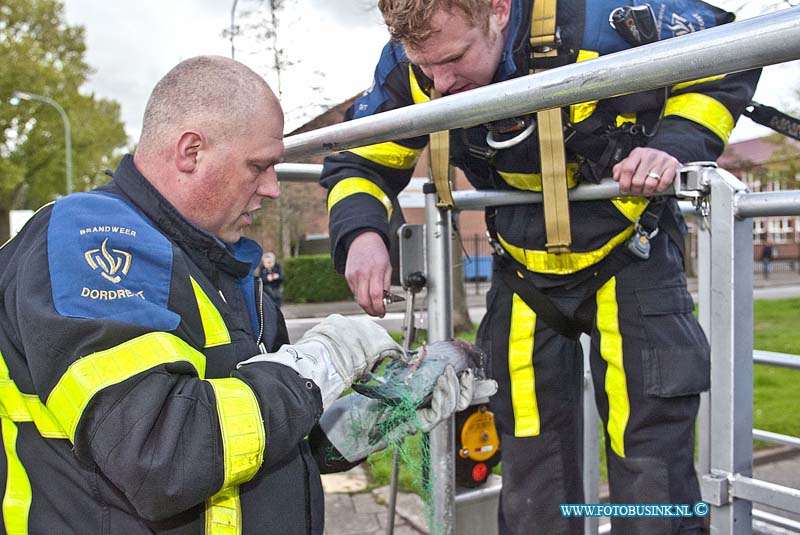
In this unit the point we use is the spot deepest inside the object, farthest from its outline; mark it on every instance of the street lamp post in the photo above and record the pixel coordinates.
(234, 30)
(67, 130)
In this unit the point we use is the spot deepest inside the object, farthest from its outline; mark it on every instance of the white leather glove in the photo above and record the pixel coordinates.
(451, 394)
(357, 425)
(334, 353)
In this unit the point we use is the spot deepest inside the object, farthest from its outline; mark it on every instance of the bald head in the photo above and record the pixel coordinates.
(211, 93)
(212, 134)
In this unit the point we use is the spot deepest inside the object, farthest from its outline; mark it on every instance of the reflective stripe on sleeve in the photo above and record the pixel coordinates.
(389, 154)
(216, 333)
(520, 369)
(619, 407)
(684, 85)
(353, 186)
(91, 374)
(224, 513)
(242, 427)
(703, 110)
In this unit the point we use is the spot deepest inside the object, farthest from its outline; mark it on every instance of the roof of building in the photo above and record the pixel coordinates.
(758, 151)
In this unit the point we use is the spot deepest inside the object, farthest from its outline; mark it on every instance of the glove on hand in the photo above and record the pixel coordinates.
(357, 425)
(334, 353)
(355, 344)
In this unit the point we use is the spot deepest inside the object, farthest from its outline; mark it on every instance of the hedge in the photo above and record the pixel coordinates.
(312, 279)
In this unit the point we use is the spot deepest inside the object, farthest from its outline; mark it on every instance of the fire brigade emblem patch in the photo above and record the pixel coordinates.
(107, 261)
(113, 264)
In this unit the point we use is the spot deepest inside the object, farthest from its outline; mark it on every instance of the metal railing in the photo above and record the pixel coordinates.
(769, 39)
(725, 305)
(726, 466)
(726, 313)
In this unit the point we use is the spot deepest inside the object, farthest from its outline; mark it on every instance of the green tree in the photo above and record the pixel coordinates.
(262, 33)
(41, 54)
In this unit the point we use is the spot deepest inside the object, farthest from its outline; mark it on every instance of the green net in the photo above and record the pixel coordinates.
(389, 413)
(413, 453)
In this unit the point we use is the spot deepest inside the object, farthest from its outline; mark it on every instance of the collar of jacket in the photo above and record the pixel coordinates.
(206, 249)
(508, 66)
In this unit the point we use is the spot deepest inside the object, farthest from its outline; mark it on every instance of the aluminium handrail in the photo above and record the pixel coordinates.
(757, 42)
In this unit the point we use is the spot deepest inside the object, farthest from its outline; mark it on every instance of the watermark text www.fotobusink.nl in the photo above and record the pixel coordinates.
(633, 509)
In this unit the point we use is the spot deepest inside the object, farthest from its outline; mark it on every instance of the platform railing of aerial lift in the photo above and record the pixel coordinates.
(739, 46)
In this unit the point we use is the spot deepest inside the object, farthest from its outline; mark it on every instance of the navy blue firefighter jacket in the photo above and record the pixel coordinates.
(691, 121)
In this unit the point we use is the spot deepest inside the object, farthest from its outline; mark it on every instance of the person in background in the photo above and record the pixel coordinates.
(148, 386)
(272, 277)
(767, 254)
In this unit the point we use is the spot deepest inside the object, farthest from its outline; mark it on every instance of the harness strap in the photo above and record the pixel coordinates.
(554, 181)
(661, 213)
(544, 43)
(536, 300)
(439, 149)
(543, 28)
(515, 276)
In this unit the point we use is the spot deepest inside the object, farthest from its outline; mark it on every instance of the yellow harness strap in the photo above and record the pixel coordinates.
(440, 164)
(551, 137)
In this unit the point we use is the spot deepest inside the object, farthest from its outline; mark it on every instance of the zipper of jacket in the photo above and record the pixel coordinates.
(260, 308)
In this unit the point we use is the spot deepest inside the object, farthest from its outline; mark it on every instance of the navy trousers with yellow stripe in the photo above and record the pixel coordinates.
(649, 362)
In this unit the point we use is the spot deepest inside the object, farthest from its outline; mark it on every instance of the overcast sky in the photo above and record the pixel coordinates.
(333, 45)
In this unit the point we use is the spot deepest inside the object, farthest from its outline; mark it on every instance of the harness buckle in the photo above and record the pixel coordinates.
(639, 242)
(545, 44)
(508, 143)
(495, 245)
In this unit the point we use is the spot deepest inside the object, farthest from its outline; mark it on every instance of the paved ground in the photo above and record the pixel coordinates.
(352, 510)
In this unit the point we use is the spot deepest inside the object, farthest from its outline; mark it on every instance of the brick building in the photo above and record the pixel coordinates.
(770, 163)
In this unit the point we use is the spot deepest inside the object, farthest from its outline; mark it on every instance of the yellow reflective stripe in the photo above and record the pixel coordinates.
(17, 497)
(579, 112)
(353, 186)
(242, 428)
(533, 181)
(224, 513)
(684, 85)
(626, 118)
(214, 328)
(34, 214)
(703, 110)
(619, 408)
(561, 264)
(582, 111)
(631, 207)
(91, 374)
(416, 91)
(389, 154)
(520, 369)
(21, 407)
